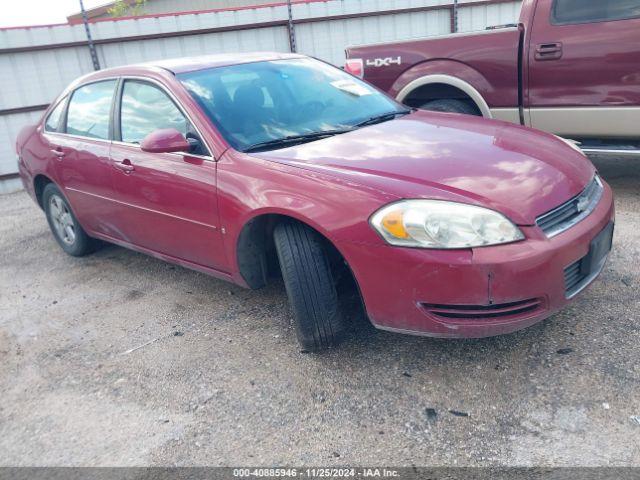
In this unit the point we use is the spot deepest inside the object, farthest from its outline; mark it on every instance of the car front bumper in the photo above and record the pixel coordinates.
(476, 292)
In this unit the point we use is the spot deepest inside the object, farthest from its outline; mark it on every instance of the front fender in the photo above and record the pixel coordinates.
(250, 187)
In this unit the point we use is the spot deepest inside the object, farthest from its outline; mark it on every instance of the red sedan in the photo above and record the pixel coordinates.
(247, 166)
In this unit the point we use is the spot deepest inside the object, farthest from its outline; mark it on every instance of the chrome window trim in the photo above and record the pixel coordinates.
(116, 142)
(79, 137)
(164, 89)
(593, 202)
(178, 154)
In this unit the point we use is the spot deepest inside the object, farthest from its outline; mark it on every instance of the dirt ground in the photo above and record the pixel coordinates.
(121, 359)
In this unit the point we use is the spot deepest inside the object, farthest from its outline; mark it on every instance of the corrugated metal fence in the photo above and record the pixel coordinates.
(38, 62)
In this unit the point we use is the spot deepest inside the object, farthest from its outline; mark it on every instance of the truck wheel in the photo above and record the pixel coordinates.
(64, 225)
(310, 286)
(450, 105)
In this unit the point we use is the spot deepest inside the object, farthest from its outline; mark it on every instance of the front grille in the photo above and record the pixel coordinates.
(568, 214)
(483, 312)
(573, 277)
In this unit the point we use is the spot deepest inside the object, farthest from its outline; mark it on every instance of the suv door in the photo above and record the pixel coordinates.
(167, 200)
(583, 68)
(80, 144)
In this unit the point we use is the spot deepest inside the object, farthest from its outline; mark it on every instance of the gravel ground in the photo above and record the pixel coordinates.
(121, 359)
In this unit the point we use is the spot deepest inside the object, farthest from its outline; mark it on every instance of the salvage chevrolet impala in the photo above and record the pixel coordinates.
(255, 165)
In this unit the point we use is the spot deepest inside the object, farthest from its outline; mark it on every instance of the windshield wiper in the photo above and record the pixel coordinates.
(293, 139)
(385, 117)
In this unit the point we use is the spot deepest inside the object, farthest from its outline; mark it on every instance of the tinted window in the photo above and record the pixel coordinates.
(146, 108)
(268, 101)
(586, 11)
(89, 109)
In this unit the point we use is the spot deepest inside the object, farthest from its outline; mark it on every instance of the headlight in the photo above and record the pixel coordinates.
(440, 224)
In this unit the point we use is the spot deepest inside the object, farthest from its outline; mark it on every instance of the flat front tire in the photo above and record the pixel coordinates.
(310, 286)
(64, 225)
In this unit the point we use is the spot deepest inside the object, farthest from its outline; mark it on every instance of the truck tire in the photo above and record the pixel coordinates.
(64, 225)
(310, 286)
(450, 105)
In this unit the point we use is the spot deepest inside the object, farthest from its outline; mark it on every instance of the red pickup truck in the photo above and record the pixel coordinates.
(570, 67)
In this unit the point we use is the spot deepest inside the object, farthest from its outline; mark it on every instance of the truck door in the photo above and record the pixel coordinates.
(583, 59)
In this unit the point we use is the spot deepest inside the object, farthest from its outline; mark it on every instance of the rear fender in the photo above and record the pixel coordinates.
(23, 136)
(448, 72)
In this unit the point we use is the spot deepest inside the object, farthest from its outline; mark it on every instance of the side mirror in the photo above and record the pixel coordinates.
(167, 140)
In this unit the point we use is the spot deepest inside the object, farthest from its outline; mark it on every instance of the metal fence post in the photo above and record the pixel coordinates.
(455, 16)
(92, 47)
(291, 27)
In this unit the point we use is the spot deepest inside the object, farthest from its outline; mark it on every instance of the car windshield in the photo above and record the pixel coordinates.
(271, 104)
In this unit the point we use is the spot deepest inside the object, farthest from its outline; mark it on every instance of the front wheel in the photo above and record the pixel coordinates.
(310, 285)
(64, 225)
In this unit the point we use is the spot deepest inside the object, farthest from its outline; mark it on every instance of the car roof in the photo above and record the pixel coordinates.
(189, 64)
(182, 65)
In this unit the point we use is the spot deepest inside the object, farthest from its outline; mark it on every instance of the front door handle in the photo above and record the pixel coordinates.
(548, 51)
(125, 166)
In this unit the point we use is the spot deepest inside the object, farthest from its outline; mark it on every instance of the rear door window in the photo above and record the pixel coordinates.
(566, 12)
(89, 110)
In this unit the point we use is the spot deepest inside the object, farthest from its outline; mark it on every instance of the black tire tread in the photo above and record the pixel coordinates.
(450, 105)
(310, 286)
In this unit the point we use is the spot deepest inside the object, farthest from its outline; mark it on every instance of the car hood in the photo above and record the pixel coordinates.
(520, 172)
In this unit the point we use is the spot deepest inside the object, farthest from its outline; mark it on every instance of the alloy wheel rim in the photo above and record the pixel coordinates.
(62, 219)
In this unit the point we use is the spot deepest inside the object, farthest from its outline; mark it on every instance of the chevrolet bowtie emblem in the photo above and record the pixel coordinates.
(583, 203)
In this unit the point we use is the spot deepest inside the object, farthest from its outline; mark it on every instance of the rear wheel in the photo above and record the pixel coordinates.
(310, 285)
(450, 105)
(64, 225)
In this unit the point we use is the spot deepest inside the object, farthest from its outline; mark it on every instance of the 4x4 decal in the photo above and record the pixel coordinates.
(384, 62)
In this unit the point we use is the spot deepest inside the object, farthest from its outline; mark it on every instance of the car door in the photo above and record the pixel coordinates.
(80, 145)
(167, 200)
(583, 68)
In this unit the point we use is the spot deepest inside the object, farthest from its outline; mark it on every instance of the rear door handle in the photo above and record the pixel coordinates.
(548, 51)
(125, 166)
(57, 152)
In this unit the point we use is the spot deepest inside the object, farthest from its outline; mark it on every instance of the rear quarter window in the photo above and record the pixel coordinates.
(52, 124)
(567, 12)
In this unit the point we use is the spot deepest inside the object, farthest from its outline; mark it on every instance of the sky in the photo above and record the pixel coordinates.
(15, 13)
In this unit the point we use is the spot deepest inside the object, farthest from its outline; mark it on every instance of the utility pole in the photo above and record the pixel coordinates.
(92, 47)
(292, 31)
